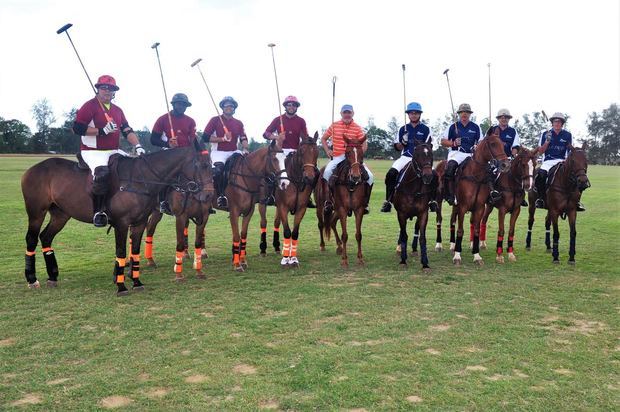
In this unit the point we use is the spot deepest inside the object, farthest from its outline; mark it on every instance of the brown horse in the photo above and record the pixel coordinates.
(350, 197)
(411, 197)
(247, 181)
(302, 173)
(472, 189)
(563, 194)
(58, 187)
(185, 206)
(513, 186)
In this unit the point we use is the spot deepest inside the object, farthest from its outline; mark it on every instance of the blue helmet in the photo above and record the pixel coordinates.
(414, 107)
(228, 100)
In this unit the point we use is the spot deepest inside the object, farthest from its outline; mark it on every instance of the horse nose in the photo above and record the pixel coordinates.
(504, 165)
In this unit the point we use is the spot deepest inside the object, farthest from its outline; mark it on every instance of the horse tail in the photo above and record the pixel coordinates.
(327, 223)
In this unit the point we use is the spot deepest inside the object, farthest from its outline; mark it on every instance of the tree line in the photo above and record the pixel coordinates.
(603, 134)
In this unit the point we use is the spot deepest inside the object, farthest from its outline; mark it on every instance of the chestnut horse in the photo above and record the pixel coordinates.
(351, 196)
(58, 187)
(563, 194)
(247, 181)
(513, 186)
(302, 173)
(472, 189)
(411, 198)
(185, 206)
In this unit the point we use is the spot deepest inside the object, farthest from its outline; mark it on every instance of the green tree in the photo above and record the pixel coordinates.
(44, 117)
(14, 136)
(62, 139)
(604, 129)
(379, 141)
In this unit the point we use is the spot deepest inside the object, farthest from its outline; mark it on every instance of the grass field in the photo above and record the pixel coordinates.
(527, 335)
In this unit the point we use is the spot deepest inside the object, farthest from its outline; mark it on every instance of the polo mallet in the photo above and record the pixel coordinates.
(65, 29)
(490, 111)
(546, 119)
(196, 64)
(271, 46)
(454, 116)
(404, 95)
(333, 98)
(161, 73)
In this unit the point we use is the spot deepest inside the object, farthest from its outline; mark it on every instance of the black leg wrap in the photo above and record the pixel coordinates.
(276, 241)
(31, 271)
(263, 242)
(458, 244)
(51, 265)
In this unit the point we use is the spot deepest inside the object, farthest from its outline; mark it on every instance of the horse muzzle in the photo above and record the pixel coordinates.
(427, 178)
(583, 183)
(504, 165)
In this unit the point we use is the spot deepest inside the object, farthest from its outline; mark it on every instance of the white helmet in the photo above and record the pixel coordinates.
(503, 112)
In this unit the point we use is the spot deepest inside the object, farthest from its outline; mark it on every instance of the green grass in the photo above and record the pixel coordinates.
(525, 335)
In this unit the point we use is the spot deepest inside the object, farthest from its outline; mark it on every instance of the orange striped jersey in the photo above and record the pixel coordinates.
(338, 130)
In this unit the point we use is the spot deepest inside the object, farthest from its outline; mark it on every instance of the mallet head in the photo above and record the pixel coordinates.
(446, 71)
(196, 62)
(64, 28)
(154, 46)
(271, 45)
(403, 67)
(544, 115)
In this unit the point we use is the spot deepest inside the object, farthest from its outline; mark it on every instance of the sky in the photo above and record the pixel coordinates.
(551, 55)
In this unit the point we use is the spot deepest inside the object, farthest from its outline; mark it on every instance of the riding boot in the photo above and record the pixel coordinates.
(541, 188)
(449, 184)
(391, 179)
(432, 204)
(164, 206)
(99, 192)
(580, 207)
(310, 204)
(524, 202)
(329, 202)
(494, 195)
(367, 192)
(222, 201)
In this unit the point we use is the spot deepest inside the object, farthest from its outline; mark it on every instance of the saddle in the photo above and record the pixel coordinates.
(552, 172)
(342, 167)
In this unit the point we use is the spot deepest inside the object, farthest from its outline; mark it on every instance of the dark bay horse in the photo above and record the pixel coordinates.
(513, 186)
(302, 173)
(411, 197)
(350, 197)
(247, 181)
(472, 189)
(58, 187)
(563, 194)
(185, 206)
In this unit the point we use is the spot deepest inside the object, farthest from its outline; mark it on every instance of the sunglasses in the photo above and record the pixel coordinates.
(290, 105)
(106, 87)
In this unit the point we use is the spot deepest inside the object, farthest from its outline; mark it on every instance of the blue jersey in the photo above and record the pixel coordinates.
(419, 134)
(558, 147)
(470, 135)
(510, 138)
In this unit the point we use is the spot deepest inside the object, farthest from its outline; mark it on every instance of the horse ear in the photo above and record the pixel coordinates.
(315, 137)
(584, 146)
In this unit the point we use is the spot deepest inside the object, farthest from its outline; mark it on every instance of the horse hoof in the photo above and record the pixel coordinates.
(457, 262)
(571, 262)
(122, 293)
(239, 269)
(339, 251)
(512, 258)
(438, 247)
(426, 270)
(35, 285)
(322, 249)
(483, 245)
(548, 250)
(277, 250)
(479, 262)
(204, 254)
(179, 279)
(344, 264)
(360, 262)
(186, 255)
(398, 250)
(52, 283)
(499, 259)
(151, 263)
(140, 288)
(414, 253)
(528, 248)
(200, 275)
(262, 254)
(556, 262)
(402, 265)
(244, 265)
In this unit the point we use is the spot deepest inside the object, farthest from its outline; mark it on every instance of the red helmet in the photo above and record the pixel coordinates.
(291, 99)
(108, 81)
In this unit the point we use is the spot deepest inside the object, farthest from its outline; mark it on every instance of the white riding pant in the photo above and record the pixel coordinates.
(221, 156)
(96, 158)
(400, 163)
(548, 164)
(457, 156)
(331, 166)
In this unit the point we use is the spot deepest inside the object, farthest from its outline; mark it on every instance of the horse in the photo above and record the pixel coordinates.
(411, 198)
(439, 172)
(303, 173)
(563, 194)
(350, 197)
(472, 189)
(185, 206)
(59, 187)
(248, 178)
(513, 186)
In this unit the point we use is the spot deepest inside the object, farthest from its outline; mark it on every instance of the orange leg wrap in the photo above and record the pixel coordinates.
(294, 248)
(178, 262)
(286, 250)
(198, 258)
(148, 248)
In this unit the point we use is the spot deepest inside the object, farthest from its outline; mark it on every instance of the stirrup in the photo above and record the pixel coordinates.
(580, 207)
(387, 207)
(328, 206)
(524, 203)
(310, 205)
(222, 202)
(100, 219)
(540, 203)
(432, 205)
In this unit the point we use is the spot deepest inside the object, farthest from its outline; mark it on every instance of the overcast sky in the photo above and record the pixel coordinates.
(551, 55)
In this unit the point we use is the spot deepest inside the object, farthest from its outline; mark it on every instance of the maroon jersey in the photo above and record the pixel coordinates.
(234, 126)
(184, 128)
(92, 115)
(294, 128)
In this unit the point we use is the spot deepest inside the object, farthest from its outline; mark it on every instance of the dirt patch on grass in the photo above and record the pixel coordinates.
(414, 399)
(519, 374)
(376, 285)
(7, 342)
(269, 405)
(244, 369)
(29, 399)
(497, 377)
(196, 378)
(440, 328)
(326, 342)
(586, 327)
(113, 402)
(208, 314)
(565, 372)
(156, 393)
(432, 351)
(58, 381)
(475, 368)
(144, 377)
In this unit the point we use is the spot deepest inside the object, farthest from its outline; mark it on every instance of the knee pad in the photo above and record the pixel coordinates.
(391, 175)
(101, 176)
(451, 168)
